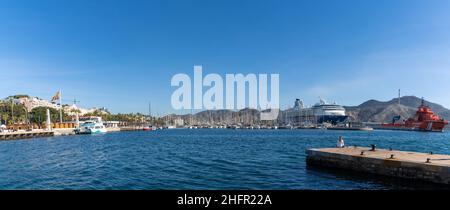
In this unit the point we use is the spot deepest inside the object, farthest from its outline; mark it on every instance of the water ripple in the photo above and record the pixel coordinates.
(197, 159)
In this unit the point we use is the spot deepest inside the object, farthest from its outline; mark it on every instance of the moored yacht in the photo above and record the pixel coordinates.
(91, 125)
(91, 128)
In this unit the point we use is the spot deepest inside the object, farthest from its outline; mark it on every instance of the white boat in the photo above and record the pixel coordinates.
(147, 128)
(91, 128)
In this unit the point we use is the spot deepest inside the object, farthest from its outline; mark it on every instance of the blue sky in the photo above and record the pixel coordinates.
(122, 54)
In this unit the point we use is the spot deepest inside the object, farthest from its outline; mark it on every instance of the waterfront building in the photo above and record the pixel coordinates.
(33, 102)
(72, 110)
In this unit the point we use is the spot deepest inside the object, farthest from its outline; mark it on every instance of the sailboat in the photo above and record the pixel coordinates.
(148, 127)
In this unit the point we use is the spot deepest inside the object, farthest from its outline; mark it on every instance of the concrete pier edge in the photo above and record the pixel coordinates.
(393, 163)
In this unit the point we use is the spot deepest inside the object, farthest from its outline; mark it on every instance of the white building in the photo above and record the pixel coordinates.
(71, 110)
(33, 102)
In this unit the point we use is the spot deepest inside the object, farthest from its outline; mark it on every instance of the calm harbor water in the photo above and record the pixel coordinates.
(199, 159)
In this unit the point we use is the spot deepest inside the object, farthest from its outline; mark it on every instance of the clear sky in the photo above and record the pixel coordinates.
(122, 54)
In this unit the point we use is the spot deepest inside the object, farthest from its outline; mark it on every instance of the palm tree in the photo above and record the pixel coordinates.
(11, 113)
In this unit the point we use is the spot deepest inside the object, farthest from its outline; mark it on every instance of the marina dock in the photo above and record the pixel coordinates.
(401, 164)
(25, 135)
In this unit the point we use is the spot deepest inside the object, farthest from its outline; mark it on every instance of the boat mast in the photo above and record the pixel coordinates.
(150, 112)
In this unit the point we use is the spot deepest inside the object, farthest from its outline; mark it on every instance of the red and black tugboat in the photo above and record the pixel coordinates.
(424, 120)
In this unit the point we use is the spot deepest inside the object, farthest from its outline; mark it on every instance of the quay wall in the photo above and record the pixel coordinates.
(63, 131)
(25, 135)
(393, 167)
(115, 129)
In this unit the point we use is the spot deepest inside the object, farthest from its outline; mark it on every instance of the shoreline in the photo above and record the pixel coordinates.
(20, 135)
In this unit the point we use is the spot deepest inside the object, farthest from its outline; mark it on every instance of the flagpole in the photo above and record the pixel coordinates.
(60, 106)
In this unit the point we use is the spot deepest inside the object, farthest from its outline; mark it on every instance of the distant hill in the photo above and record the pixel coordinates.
(384, 111)
(369, 111)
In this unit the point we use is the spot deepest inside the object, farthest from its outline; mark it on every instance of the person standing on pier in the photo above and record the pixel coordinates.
(340, 143)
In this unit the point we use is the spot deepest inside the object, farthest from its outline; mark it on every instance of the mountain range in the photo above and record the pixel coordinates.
(384, 111)
(369, 111)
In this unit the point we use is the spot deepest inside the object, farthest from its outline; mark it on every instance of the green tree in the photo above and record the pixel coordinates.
(12, 113)
(39, 115)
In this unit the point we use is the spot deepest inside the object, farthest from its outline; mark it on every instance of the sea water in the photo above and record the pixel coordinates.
(199, 159)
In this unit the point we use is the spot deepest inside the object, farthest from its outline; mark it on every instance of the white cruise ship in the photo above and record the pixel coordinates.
(321, 112)
(330, 113)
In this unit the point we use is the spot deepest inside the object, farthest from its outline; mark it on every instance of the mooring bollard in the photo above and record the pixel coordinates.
(392, 156)
(362, 152)
(431, 153)
(373, 147)
(428, 160)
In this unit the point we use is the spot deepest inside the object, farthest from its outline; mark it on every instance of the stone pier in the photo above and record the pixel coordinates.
(402, 164)
(25, 135)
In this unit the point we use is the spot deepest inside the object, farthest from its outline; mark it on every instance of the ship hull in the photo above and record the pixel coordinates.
(420, 126)
(331, 119)
(404, 128)
(429, 126)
